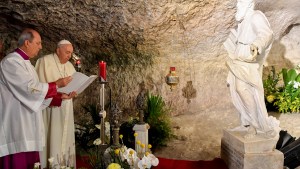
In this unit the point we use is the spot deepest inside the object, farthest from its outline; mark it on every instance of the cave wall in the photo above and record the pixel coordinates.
(141, 39)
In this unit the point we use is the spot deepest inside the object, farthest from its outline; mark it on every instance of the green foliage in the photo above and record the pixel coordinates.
(289, 75)
(157, 116)
(289, 99)
(285, 98)
(270, 84)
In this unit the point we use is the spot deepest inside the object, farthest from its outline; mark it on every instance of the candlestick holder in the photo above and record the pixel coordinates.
(102, 112)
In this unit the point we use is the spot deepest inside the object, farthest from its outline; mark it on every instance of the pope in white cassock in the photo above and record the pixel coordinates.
(59, 121)
(22, 98)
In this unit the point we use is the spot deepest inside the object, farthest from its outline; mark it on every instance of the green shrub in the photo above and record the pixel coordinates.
(157, 116)
(285, 98)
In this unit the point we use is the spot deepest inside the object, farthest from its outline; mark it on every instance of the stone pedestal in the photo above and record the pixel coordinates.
(257, 152)
(142, 131)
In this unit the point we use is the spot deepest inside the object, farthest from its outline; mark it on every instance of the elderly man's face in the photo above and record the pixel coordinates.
(64, 53)
(35, 46)
(242, 7)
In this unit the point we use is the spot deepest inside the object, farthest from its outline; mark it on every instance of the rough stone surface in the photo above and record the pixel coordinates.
(141, 39)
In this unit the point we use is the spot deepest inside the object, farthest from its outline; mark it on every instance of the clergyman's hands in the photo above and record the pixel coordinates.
(69, 96)
(62, 82)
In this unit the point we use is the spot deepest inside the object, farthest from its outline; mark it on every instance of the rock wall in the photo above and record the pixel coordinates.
(141, 39)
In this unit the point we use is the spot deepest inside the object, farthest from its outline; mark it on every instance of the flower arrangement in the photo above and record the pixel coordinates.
(286, 97)
(121, 157)
(128, 158)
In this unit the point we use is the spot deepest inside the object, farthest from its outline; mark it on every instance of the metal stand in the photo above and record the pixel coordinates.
(115, 123)
(102, 113)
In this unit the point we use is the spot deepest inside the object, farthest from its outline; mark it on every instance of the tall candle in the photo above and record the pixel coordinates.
(102, 70)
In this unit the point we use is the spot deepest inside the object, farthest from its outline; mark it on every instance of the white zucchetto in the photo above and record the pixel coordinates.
(64, 42)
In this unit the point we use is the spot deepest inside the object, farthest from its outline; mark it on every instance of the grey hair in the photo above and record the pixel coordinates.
(25, 35)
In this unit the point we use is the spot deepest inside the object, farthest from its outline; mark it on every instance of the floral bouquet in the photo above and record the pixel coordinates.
(128, 158)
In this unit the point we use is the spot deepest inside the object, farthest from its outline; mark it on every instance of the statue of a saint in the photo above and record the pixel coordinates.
(247, 47)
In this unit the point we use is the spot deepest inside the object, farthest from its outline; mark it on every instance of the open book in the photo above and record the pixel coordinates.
(79, 83)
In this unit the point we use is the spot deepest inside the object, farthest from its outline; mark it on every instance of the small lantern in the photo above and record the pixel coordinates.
(172, 79)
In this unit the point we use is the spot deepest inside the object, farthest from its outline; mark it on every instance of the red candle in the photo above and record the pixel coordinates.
(102, 70)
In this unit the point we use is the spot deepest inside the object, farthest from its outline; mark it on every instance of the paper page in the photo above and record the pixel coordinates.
(79, 82)
(87, 83)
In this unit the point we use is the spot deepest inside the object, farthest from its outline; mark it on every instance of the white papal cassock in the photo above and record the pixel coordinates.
(59, 121)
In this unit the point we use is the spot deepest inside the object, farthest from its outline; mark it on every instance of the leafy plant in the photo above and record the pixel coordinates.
(271, 89)
(290, 75)
(284, 98)
(289, 99)
(270, 84)
(157, 116)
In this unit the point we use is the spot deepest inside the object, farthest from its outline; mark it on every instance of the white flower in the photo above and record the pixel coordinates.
(37, 165)
(131, 156)
(97, 142)
(123, 150)
(296, 85)
(144, 163)
(153, 159)
(51, 160)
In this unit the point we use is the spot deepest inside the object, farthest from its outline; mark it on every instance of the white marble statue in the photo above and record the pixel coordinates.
(247, 47)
